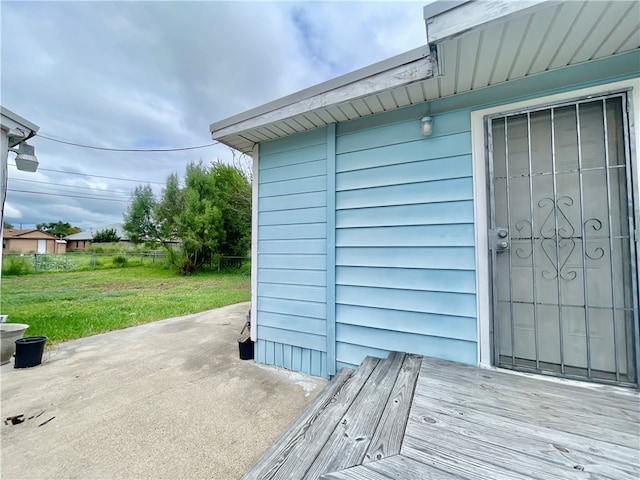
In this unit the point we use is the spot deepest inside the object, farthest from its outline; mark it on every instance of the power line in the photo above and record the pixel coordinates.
(66, 142)
(68, 196)
(95, 176)
(93, 189)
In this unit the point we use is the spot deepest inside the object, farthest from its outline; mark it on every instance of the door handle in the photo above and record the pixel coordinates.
(500, 239)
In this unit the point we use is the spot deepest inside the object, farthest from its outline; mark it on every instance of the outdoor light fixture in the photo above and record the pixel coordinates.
(427, 125)
(26, 159)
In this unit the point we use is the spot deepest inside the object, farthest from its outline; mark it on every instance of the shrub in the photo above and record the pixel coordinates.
(17, 265)
(119, 261)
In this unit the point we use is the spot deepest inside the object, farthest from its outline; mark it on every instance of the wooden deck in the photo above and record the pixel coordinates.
(411, 417)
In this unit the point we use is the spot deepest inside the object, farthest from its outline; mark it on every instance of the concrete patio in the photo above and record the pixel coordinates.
(169, 399)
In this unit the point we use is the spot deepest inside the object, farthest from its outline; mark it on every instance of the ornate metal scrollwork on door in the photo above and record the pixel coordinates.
(557, 238)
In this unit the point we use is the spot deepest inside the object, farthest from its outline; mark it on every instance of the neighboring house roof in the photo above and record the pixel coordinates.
(470, 46)
(14, 233)
(88, 234)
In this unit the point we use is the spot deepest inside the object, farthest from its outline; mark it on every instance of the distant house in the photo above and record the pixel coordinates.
(475, 199)
(79, 241)
(82, 240)
(31, 241)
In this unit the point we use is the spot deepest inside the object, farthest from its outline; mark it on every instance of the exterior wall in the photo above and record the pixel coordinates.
(20, 245)
(292, 246)
(399, 264)
(405, 259)
(77, 244)
(30, 245)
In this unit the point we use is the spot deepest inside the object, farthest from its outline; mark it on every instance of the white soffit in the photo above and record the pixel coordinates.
(539, 37)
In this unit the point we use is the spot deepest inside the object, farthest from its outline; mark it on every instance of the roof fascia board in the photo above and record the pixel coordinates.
(401, 69)
(449, 19)
(18, 128)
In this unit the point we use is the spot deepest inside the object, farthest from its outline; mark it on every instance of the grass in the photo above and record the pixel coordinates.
(68, 305)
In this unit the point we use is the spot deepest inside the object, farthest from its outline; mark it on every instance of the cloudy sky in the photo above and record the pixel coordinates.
(154, 75)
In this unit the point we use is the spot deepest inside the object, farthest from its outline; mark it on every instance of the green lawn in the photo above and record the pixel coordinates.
(64, 306)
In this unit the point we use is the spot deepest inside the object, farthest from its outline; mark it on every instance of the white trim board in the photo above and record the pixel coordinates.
(255, 154)
(483, 304)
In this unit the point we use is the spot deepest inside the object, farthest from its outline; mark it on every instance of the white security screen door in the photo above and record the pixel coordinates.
(561, 238)
(42, 246)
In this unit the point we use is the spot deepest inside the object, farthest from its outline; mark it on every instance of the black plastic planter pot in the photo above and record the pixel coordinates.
(246, 350)
(29, 352)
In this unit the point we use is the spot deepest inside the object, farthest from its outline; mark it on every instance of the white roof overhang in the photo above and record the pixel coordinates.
(478, 44)
(18, 129)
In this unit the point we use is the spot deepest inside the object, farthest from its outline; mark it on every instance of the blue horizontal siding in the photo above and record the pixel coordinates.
(291, 158)
(292, 292)
(301, 308)
(419, 150)
(425, 301)
(294, 323)
(302, 170)
(418, 214)
(428, 170)
(463, 281)
(351, 355)
(289, 187)
(447, 124)
(311, 362)
(298, 246)
(292, 202)
(291, 217)
(294, 338)
(298, 144)
(295, 277)
(434, 325)
(407, 236)
(390, 340)
(299, 231)
(399, 133)
(293, 262)
(458, 258)
(292, 241)
(407, 194)
(405, 240)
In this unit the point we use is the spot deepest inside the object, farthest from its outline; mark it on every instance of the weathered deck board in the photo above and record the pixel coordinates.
(350, 440)
(394, 467)
(614, 431)
(389, 433)
(619, 404)
(420, 418)
(439, 422)
(499, 424)
(291, 456)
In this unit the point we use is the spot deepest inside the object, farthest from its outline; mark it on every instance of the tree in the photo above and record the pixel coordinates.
(166, 210)
(234, 199)
(7, 225)
(198, 220)
(139, 221)
(108, 235)
(59, 229)
(211, 215)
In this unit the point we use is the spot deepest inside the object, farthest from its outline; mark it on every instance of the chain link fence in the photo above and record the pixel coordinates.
(25, 263)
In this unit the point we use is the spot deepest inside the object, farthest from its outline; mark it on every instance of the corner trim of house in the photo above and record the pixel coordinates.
(478, 149)
(331, 249)
(255, 154)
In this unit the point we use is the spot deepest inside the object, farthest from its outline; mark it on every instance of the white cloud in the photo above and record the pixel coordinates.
(156, 74)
